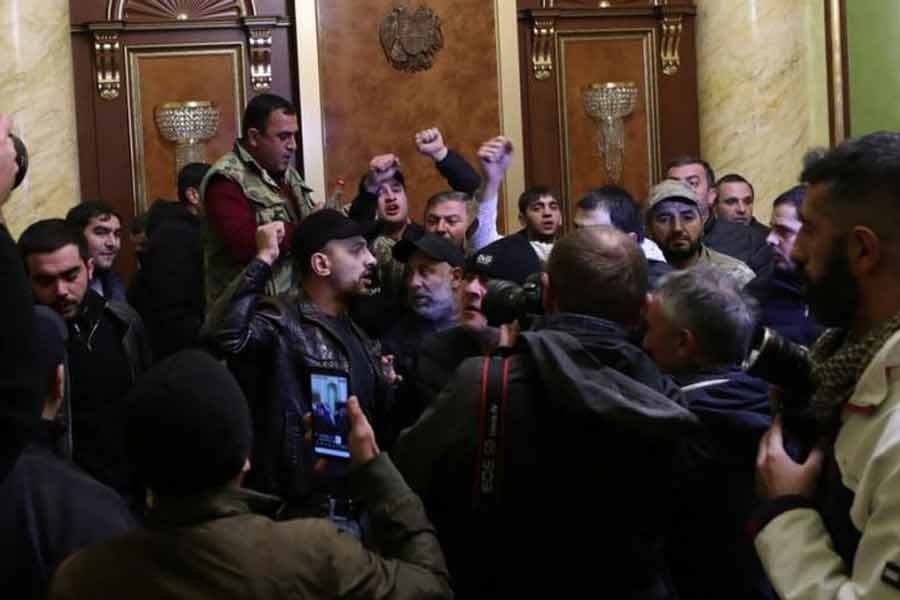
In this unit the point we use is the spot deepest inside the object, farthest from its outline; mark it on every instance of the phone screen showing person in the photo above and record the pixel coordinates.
(331, 423)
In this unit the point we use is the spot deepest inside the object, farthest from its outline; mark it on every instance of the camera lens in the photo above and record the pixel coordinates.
(21, 159)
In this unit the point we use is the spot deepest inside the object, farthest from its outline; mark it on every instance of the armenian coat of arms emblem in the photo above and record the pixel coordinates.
(411, 38)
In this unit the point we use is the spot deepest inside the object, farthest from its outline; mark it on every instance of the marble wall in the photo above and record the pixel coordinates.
(36, 87)
(762, 86)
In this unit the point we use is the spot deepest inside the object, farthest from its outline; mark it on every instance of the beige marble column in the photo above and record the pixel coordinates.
(762, 87)
(37, 88)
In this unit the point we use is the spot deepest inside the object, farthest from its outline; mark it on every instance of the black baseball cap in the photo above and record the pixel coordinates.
(433, 246)
(321, 227)
(511, 258)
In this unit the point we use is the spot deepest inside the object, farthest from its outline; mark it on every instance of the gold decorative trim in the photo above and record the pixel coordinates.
(260, 40)
(837, 70)
(671, 38)
(648, 89)
(543, 38)
(106, 63)
(135, 119)
(115, 9)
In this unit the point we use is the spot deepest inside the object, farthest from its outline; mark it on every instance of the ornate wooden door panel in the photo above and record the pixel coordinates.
(133, 56)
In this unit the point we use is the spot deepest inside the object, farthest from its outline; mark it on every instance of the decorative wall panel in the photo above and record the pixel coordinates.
(371, 108)
(159, 75)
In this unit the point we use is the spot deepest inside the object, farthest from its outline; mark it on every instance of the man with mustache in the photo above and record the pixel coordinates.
(780, 293)
(252, 185)
(828, 528)
(674, 223)
(285, 335)
(734, 239)
(108, 349)
(102, 229)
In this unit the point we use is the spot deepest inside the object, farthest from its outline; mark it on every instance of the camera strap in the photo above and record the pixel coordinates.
(488, 477)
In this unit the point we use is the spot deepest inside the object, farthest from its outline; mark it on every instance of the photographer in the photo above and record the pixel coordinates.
(828, 528)
(586, 434)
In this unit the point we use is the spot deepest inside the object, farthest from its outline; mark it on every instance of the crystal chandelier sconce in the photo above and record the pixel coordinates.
(189, 125)
(607, 104)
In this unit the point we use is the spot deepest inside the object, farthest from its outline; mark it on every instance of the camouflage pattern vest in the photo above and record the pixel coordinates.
(269, 204)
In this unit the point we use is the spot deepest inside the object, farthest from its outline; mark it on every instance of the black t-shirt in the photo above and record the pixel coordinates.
(362, 377)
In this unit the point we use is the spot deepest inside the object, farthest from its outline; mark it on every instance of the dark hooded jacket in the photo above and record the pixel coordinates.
(588, 455)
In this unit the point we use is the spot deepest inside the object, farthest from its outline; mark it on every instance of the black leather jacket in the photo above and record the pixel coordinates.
(279, 338)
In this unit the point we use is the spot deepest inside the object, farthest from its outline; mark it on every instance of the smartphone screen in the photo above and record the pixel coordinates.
(330, 421)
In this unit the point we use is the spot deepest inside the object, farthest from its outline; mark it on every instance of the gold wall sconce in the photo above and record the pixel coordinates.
(189, 125)
(608, 104)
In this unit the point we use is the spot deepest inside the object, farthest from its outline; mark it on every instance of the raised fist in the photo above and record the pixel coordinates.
(382, 168)
(268, 239)
(430, 142)
(496, 156)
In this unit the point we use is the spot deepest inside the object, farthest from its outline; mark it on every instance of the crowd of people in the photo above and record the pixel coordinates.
(670, 400)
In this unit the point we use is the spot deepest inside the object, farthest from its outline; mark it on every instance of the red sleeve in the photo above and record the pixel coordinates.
(230, 215)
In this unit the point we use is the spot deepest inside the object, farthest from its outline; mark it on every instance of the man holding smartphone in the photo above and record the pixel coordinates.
(293, 337)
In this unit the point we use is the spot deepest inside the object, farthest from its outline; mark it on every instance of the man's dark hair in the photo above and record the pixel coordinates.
(49, 235)
(81, 214)
(683, 161)
(624, 212)
(190, 176)
(454, 196)
(708, 302)
(794, 196)
(862, 177)
(735, 178)
(258, 110)
(534, 194)
(599, 271)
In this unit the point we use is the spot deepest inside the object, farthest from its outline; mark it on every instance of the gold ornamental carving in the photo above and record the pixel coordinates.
(671, 38)
(260, 40)
(543, 37)
(411, 39)
(106, 62)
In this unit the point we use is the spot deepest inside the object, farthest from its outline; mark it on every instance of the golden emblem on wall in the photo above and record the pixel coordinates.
(411, 38)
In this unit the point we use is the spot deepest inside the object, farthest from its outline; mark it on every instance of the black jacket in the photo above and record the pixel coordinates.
(282, 337)
(783, 306)
(710, 553)
(588, 458)
(48, 510)
(746, 243)
(168, 290)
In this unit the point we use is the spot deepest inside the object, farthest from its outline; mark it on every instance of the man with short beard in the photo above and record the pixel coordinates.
(674, 223)
(747, 244)
(433, 276)
(828, 528)
(780, 293)
(107, 348)
(102, 229)
(284, 335)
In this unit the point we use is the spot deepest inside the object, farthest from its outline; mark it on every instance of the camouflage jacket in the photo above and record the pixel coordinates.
(734, 267)
(269, 204)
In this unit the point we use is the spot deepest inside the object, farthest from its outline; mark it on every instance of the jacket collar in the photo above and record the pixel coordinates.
(251, 163)
(874, 384)
(214, 504)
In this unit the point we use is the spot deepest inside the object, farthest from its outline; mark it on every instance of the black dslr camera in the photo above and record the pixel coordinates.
(506, 301)
(21, 159)
(786, 364)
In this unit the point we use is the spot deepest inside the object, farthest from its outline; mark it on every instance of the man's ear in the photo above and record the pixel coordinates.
(864, 250)
(522, 219)
(472, 228)
(321, 264)
(686, 347)
(456, 277)
(253, 135)
(89, 266)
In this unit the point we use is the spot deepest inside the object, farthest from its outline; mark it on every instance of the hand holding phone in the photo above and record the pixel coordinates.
(329, 391)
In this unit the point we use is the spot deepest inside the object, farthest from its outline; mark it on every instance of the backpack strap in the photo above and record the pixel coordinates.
(490, 451)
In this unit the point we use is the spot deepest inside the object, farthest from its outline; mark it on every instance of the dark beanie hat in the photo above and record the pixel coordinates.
(188, 426)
